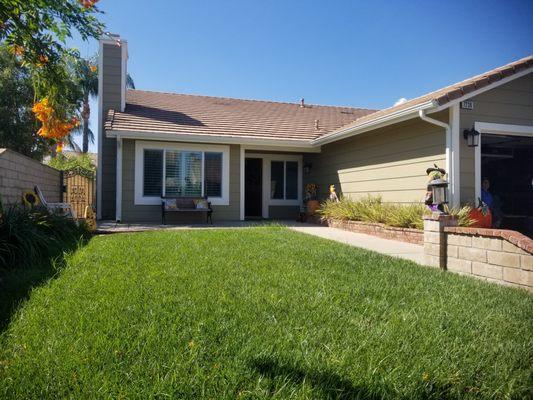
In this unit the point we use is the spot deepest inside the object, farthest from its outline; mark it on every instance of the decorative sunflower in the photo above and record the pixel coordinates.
(30, 199)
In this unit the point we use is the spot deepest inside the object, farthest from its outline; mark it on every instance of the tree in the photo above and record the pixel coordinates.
(86, 73)
(36, 32)
(18, 126)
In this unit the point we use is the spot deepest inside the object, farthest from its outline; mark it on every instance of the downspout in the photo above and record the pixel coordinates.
(424, 117)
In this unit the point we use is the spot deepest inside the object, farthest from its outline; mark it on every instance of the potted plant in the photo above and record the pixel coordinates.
(311, 198)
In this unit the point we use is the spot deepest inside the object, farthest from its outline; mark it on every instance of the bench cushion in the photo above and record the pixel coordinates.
(184, 204)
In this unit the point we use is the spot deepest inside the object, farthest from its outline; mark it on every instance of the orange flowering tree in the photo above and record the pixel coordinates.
(36, 32)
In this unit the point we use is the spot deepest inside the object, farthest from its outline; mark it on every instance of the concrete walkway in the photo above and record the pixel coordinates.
(408, 251)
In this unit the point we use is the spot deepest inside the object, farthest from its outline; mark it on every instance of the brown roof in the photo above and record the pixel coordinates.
(445, 95)
(203, 115)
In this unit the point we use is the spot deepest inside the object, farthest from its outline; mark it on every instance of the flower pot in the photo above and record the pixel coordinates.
(312, 206)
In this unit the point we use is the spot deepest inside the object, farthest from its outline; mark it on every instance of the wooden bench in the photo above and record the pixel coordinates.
(184, 204)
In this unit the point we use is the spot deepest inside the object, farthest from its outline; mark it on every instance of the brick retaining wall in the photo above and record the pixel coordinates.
(496, 255)
(19, 173)
(491, 255)
(408, 235)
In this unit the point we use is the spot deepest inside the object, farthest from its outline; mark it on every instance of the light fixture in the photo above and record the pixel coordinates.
(439, 190)
(307, 168)
(472, 137)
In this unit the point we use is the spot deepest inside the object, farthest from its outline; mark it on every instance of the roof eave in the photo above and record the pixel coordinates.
(303, 145)
(389, 119)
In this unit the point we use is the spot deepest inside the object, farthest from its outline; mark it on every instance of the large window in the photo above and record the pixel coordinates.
(284, 180)
(181, 171)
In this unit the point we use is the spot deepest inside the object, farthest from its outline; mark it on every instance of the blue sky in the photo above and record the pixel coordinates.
(364, 54)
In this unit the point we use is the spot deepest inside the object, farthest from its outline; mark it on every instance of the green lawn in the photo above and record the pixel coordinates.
(261, 313)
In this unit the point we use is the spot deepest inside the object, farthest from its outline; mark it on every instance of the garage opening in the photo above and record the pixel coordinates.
(507, 163)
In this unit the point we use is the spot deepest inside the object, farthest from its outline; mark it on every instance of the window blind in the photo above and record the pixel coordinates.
(183, 173)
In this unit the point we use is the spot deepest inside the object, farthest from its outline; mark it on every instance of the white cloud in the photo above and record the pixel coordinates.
(400, 101)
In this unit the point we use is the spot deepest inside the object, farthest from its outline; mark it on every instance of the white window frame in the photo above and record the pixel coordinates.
(140, 146)
(285, 201)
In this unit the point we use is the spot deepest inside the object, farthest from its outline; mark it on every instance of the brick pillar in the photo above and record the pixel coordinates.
(435, 238)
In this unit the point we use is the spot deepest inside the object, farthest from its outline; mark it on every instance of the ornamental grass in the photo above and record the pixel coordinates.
(373, 209)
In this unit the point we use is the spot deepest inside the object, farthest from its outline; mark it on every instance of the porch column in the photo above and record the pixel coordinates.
(118, 208)
(241, 183)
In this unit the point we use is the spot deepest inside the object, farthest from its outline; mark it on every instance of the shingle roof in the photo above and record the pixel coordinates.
(445, 95)
(203, 115)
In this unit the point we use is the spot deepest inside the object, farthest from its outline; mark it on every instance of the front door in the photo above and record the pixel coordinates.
(253, 185)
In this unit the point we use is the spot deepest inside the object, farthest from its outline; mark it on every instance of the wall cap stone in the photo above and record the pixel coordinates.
(516, 238)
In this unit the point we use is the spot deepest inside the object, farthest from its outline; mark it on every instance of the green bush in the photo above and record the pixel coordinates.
(81, 161)
(372, 209)
(30, 236)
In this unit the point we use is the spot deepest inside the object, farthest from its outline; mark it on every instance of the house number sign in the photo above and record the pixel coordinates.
(467, 105)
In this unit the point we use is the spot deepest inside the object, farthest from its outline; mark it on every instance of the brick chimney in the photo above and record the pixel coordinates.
(112, 70)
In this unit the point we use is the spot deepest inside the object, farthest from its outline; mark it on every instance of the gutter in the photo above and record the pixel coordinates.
(303, 145)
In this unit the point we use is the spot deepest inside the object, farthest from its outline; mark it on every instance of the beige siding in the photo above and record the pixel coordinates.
(390, 162)
(111, 87)
(511, 103)
(152, 213)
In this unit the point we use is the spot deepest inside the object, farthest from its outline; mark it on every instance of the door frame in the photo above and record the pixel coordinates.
(266, 200)
(488, 128)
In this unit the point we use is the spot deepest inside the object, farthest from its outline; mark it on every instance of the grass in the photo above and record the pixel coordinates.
(263, 313)
(373, 209)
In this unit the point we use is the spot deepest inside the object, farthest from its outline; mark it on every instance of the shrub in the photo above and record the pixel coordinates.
(29, 236)
(372, 209)
(81, 161)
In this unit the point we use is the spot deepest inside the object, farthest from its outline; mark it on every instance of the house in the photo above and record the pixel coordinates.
(253, 158)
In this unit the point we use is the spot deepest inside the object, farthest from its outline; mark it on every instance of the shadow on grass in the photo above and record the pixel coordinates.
(16, 282)
(326, 384)
(330, 385)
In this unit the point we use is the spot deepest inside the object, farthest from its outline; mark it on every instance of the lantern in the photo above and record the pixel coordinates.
(439, 190)
(472, 137)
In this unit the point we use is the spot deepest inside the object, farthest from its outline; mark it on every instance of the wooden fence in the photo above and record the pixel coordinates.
(79, 189)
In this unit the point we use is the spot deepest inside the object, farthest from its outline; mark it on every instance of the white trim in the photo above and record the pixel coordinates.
(455, 156)
(489, 128)
(266, 200)
(477, 170)
(118, 197)
(100, 133)
(140, 146)
(124, 72)
(395, 117)
(275, 144)
(484, 89)
(241, 182)
(504, 129)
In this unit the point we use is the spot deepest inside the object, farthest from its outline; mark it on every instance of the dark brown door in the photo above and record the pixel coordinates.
(253, 185)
